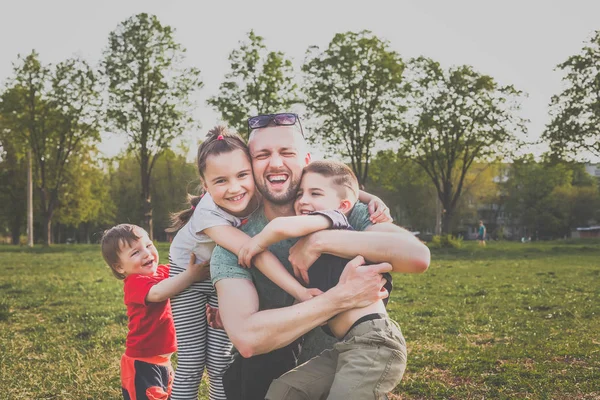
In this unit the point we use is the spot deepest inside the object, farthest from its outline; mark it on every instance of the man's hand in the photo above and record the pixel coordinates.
(251, 248)
(363, 284)
(201, 271)
(302, 255)
(378, 211)
(213, 317)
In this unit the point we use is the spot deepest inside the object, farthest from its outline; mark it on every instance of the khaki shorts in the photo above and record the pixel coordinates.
(367, 364)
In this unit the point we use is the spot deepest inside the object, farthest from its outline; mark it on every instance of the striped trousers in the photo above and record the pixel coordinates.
(198, 345)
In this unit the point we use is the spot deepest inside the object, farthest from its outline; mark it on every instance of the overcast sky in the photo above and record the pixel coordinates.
(516, 42)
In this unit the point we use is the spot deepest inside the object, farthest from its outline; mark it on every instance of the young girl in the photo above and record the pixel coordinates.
(225, 168)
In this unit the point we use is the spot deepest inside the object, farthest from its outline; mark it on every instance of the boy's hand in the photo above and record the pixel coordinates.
(379, 211)
(307, 294)
(213, 317)
(201, 271)
(248, 251)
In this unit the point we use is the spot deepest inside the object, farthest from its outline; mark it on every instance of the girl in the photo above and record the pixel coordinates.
(225, 169)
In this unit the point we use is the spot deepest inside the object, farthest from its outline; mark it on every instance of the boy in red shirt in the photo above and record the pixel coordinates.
(146, 371)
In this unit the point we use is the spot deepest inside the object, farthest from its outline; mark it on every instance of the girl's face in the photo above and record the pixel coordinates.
(228, 179)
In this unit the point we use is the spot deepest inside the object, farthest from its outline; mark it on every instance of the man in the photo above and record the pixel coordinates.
(258, 315)
(481, 233)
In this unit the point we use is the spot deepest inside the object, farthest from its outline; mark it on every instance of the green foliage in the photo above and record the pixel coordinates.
(352, 88)
(405, 189)
(549, 198)
(54, 112)
(13, 184)
(457, 116)
(445, 242)
(260, 82)
(87, 199)
(172, 179)
(149, 93)
(575, 112)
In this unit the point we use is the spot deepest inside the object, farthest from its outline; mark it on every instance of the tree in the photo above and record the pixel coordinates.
(149, 93)
(173, 178)
(13, 181)
(54, 111)
(353, 87)
(405, 188)
(550, 198)
(260, 82)
(575, 112)
(86, 201)
(455, 118)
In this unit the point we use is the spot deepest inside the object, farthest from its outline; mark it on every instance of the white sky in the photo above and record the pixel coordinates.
(516, 42)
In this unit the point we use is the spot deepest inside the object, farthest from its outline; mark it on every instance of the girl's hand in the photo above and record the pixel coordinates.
(201, 271)
(307, 294)
(379, 211)
(248, 251)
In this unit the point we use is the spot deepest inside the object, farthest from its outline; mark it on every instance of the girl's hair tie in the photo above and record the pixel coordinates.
(220, 137)
(193, 207)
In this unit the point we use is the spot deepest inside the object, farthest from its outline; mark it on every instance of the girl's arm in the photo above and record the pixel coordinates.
(233, 240)
(279, 229)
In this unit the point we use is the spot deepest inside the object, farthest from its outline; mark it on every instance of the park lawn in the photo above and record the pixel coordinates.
(510, 321)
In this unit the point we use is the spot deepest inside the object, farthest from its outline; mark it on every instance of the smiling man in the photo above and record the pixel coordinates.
(258, 316)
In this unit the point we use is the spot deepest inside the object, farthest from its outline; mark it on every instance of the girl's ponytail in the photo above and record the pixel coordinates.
(180, 218)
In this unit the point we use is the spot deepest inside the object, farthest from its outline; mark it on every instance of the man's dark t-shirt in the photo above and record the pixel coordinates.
(326, 271)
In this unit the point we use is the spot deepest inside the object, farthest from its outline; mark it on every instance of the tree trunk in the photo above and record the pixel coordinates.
(447, 214)
(447, 221)
(146, 204)
(47, 230)
(29, 200)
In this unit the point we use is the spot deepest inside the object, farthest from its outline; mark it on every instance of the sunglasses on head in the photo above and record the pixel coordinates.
(282, 119)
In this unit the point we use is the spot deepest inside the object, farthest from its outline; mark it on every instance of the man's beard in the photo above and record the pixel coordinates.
(279, 199)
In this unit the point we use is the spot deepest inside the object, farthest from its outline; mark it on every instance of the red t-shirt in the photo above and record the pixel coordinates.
(151, 328)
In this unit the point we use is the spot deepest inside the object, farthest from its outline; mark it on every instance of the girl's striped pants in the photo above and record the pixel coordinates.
(198, 345)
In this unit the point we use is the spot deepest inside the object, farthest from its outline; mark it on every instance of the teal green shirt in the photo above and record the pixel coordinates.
(224, 265)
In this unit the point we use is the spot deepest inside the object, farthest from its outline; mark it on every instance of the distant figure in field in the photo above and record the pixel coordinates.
(481, 234)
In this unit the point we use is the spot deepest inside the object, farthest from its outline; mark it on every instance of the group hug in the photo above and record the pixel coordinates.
(277, 282)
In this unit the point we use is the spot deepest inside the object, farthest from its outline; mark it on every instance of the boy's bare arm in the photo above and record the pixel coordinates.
(279, 229)
(233, 240)
(282, 228)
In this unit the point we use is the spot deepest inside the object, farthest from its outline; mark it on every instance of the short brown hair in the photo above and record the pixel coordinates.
(111, 243)
(343, 177)
(219, 140)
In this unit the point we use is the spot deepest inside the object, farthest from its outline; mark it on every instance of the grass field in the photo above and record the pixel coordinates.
(511, 321)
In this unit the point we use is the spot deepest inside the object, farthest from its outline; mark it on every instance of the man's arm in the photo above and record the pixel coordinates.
(378, 243)
(255, 332)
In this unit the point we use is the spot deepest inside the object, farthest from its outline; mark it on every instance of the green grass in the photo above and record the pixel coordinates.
(510, 321)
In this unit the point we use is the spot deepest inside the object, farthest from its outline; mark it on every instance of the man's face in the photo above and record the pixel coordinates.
(278, 157)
